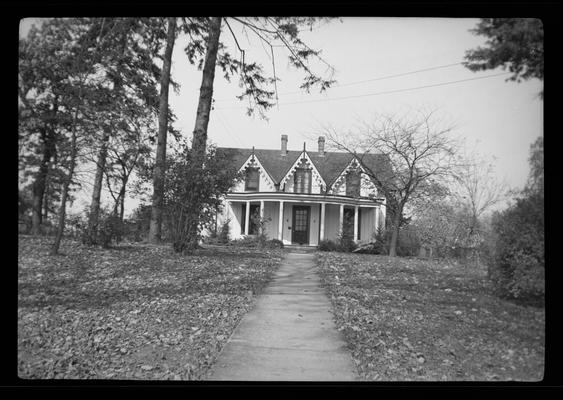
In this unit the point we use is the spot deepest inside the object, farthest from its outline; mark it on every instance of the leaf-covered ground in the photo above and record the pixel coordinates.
(418, 320)
(133, 312)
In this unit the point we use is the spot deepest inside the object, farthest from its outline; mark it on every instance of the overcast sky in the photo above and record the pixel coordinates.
(501, 118)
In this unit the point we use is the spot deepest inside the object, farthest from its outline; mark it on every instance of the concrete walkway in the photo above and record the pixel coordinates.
(289, 335)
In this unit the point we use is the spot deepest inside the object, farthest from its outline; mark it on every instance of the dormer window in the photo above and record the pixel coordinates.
(353, 183)
(302, 180)
(252, 181)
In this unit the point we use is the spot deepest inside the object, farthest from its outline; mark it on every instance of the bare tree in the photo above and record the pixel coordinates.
(420, 152)
(477, 186)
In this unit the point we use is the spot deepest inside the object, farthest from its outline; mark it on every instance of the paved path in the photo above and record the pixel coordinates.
(289, 335)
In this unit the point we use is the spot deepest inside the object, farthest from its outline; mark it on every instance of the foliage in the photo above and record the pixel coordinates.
(258, 85)
(518, 265)
(513, 43)
(518, 270)
(223, 236)
(273, 244)
(408, 319)
(111, 229)
(327, 245)
(136, 312)
(193, 193)
(346, 244)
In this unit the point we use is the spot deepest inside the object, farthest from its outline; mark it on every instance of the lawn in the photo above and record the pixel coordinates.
(133, 312)
(407, 319)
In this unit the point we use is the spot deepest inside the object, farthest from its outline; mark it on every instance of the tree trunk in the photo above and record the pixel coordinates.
(199, 140)
(93, 218)
(395, 233)
(66, 185)
(39, 185)
(155, 229)
(45, 215)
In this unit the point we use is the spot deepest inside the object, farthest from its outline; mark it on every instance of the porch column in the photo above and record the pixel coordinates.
(247, 218)
(376, 210)
(280, 222)
(341, 223)
(261, 215)
(322, 235)
(356, 223)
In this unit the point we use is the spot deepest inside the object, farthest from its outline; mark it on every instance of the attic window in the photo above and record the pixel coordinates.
(353, 183)
(252, 181)
(302, 180)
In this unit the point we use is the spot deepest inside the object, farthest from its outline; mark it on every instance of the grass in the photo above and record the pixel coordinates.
(407, 319)
(132, 312)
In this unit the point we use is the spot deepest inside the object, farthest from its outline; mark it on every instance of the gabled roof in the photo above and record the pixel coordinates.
(330, 166)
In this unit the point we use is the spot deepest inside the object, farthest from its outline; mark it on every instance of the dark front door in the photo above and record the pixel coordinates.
(300, 230)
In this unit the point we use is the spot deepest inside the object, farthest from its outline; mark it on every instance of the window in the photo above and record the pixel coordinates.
(252, 181)
(302, 180)
(353, 184)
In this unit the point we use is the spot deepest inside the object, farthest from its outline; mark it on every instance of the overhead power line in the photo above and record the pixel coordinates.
(372, 79)
(380, 93)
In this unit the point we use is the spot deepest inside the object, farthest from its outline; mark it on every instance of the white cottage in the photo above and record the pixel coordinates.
(304, 196)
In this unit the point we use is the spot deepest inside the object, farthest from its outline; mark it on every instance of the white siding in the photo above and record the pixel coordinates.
(314, 224)
(271, 214)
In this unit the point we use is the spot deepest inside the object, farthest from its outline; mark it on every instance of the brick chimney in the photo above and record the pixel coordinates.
(321, 146)
(284, 145)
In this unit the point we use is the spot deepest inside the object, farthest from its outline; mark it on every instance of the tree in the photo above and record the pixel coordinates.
(513, 43)
(81, 65)
(478, 187)
(41, 77)
(124, 156)
(160, 164)
(419, 151)
(126, 60)
(189, 187)
(518, 266)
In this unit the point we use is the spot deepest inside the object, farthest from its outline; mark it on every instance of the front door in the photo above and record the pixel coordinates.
(300, 232)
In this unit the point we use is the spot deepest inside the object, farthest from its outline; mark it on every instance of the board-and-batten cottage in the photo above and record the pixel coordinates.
(304, 196)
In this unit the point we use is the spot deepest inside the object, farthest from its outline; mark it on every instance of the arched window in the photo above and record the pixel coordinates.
(252, 181)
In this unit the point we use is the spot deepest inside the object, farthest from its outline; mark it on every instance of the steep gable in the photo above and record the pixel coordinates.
(330, 165)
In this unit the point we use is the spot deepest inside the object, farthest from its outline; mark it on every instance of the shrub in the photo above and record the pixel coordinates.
(111, 230)
(247, 241)
(346, 244)
(273, 244)
(223, 236)
(327, 245)
(518, 263)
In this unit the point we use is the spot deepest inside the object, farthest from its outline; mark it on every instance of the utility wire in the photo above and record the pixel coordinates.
(380, 93)
(228, 130)
(373, 79)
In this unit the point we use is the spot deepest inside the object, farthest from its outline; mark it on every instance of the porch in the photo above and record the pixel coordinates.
(302, 219)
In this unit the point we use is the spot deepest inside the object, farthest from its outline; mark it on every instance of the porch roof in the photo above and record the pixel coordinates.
(304, 198)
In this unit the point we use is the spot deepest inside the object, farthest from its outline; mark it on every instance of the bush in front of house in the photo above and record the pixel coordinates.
(346, 244)
(273, 244)
(327, 245)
